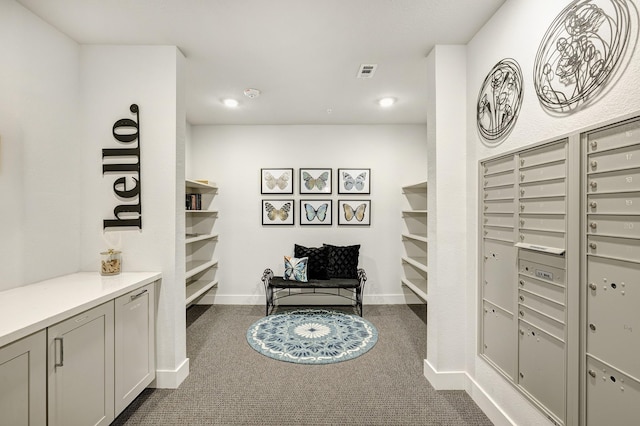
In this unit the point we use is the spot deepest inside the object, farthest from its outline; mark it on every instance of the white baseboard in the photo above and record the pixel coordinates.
(213, 298)
(171, 379)
(460, 380)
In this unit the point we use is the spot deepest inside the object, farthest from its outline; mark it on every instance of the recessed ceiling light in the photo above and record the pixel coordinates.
(251, 93)
(386, 102)
(231, 103)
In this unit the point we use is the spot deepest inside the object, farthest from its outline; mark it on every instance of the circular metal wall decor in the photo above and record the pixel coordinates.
(499, 100)
(580, 52)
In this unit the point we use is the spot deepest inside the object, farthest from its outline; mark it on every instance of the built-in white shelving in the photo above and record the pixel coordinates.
(414, 238)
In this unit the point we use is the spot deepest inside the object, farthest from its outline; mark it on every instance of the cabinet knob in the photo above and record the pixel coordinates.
(594, 144)
(594, 164)
(592, 373)
(593, 245)
(593, 184)
(593, 225)
(592, 327)
(592, 286)
(593, 204)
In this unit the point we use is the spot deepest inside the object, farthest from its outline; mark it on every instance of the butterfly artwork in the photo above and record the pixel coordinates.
(315, 181)
(355, 212)
(315, 212)
(277, 181)
(277, 212)
(354, 181)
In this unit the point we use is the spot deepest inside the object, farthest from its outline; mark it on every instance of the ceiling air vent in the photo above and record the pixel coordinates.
(367, 70)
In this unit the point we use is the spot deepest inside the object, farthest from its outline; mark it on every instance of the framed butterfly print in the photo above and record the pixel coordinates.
(277, 212)
(354, 212)
(354, 181)
(276, 181)
(316, 212)
(316, 181)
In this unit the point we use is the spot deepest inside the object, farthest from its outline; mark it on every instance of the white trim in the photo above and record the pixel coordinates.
(171, 379)
(460, 380)
(212, 298)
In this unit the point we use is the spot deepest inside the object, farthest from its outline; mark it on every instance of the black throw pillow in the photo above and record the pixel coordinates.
(342, 261)
(317, 264)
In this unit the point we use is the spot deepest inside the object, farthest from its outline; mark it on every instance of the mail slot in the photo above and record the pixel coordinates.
(541, 321)
(541, 368)
(552, 188)
(542, 222)
(542, 288)
(544, 172)
(507, 178)
(543, 205)
(504, 206)
(617, 248)
(499, 343)
(613, 332)
(495, 233)
(499, 165)
(612, 396)
(540, 304)
(499, 219)
(499, 275)
(614, 137)
(546, 154)
(617, 159)
(500, 193)
(622, 203)
(542, 238)
(622, 180)
(613, 225)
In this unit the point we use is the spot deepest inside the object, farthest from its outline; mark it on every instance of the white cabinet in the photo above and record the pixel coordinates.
(80, 369)
(23, 382)
(200, 240)
(134, 345)
(414, 237)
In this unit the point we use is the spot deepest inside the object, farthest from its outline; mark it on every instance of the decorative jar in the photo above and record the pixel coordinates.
(111, 262)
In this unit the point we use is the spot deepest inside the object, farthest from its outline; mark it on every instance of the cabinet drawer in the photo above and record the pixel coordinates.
(500, 193)
(542, 238)
(541, 321)
(540, 304)
(499, 206)
(546, 154)
(620, 181)
(503, 234)
(552, 188)
(499, 220)
(498, 274)
(541, 271)
(628, 203)
(616, 226)
(617, 159)
(547, 205)
(614, 137)
(550, 291)
(499, 165)
(612, 397)
(541, 368)
(543, 222)
(501, 179)
(499, 339)
(543, 172)
(617, 248)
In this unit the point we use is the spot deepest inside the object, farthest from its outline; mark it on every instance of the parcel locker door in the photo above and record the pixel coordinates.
(541, 368)
(613, 399)
(499, 274)
(613, 313)
(499, 339)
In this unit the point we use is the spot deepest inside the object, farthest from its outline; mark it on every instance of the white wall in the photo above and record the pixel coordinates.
(40, 179)
(232, 156)
(516, 31)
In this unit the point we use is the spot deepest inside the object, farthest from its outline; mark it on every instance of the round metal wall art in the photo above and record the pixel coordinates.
(580, 52)
(499, 100)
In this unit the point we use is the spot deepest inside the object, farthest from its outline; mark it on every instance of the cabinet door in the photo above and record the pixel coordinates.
(80, 365)
(23, 382)
(134, 345)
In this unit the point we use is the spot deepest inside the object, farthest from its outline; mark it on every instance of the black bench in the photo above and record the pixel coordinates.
(277, 288)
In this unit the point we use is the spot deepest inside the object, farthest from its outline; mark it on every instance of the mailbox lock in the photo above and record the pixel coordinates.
(593, 245)
(592, 327)
(521, 376)
(594, 145)
(593, 225)
(521, 176)
(486, 194)
(486, 182)
(594, 164)
(522, 191)
(593, 184)
(592, 373)
(521, 313)
(486, 207)
(521, 222)
(593, 204)
(522, 237)
(521, 206)
(522, 161)
(592, 286)
(522, 332)
(521, 298)
(521, 282)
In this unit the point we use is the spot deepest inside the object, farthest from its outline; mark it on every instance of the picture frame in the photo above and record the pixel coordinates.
(278, 212)
(276, 181)
(354, 181)
(316, 181)
(316, 212)
(354, 212)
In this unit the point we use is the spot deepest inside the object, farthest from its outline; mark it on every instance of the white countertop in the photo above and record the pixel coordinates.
(27, 309)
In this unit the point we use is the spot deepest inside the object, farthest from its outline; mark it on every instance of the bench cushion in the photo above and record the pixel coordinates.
(280, 282)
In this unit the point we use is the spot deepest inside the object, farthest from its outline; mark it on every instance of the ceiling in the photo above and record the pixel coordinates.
(302, 55)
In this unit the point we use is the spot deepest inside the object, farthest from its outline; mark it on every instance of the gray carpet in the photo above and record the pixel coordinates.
(232, 384)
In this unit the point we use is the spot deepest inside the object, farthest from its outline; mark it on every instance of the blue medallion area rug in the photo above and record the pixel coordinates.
(312, 336)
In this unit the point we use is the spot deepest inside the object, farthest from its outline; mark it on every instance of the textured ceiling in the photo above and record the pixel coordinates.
(303, 55)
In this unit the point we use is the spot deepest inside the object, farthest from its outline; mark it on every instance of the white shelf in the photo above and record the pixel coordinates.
(202, 211)
(416, 212)
(415, 237)
(419, 287)
(202, 237)
(196, 266)
(417, 262)
(198, 288)
(415, 187)
(211, 186)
